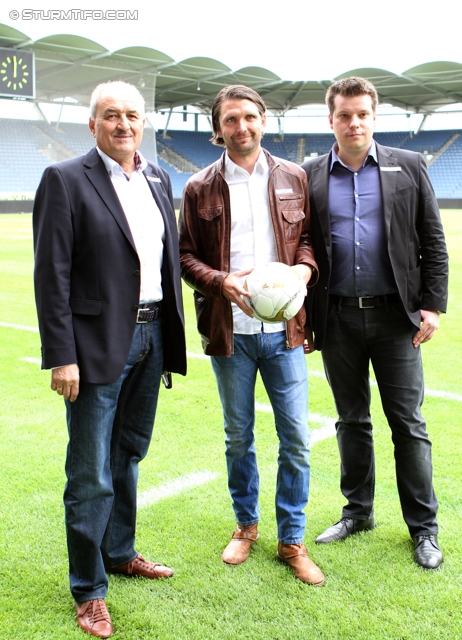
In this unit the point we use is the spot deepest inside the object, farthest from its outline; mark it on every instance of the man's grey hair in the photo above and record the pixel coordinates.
(116, 88)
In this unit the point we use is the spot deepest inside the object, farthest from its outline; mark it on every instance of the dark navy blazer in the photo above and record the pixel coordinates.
(87, 270)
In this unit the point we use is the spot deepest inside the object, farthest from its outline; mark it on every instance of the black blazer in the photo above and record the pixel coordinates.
(87, 271)
(414, 232)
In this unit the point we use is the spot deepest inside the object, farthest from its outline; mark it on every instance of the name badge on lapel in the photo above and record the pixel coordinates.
(390, 168)
(151, 179)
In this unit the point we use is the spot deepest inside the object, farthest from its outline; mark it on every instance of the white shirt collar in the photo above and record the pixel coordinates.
(114, 167)
(261, 166)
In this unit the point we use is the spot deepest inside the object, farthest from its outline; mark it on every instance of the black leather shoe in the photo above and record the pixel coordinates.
(343, 529)
(427, 553)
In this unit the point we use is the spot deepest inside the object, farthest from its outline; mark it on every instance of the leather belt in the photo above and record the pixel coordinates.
(366, 302)
(148, 312)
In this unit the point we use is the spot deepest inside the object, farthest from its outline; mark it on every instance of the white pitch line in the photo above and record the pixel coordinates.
(23, 327)
(327, 424)
(327, 429)
(435, 393)
(175, 487)
(316, 374)
(265, 408)
(179, 485)
(443, 394)
(197, 356)
(32, 360)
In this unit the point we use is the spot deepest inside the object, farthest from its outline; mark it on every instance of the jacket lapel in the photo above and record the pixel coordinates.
(157, 188)
(158, 192)
(388, 179)
(99, 178)
(318, 186)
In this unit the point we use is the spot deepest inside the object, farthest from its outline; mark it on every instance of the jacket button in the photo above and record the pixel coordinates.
(136, 272)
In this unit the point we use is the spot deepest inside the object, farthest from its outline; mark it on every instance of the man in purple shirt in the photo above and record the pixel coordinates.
(383, 269)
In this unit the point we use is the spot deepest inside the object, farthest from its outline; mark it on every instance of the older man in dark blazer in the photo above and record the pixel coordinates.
(383, 269)
(111, 322)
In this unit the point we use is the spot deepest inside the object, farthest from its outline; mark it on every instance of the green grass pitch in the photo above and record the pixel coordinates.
(373, 588)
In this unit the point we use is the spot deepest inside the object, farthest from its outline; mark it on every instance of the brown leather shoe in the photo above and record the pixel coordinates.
(93, 617)
(296, 556)
(238, 549)
(141, 568)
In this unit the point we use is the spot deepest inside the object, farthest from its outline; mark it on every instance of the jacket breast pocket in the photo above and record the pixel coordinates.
(85, 307)
(293, 221)
(210, 222)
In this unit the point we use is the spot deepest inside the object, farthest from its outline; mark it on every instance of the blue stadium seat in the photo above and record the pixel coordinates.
(42, 144)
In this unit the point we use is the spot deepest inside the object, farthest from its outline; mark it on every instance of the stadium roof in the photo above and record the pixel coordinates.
(71, 66)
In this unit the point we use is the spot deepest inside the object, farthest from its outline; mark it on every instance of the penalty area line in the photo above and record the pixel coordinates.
(22, 327)
(435, 393)
(175, 487)
(32, 360)
(191, 481)
(326, 429)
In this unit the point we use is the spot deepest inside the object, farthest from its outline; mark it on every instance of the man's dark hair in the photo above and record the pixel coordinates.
(233, 92)
(353, 86)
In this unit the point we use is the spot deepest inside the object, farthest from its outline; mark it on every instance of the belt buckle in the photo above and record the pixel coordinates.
(139, 318)
(363, 306)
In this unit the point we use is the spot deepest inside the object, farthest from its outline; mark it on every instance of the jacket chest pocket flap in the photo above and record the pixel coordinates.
(293, 214)
(210, 213)
(210, 219)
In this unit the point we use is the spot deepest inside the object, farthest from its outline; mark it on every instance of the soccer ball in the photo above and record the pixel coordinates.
(277, 292)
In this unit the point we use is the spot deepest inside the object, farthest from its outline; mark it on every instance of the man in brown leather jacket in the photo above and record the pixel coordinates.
(248, 209)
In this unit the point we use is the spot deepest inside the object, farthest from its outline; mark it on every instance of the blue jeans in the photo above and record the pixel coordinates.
(284, 375)
(110, 428)
(382, 336)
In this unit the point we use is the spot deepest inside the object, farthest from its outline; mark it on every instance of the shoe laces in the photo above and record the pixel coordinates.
(431, 539)
(99, 612)
(145, 564)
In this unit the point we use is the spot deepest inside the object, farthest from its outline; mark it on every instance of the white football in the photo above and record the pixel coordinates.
(277, 292)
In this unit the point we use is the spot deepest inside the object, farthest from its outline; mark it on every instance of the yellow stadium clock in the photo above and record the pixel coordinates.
(16, 73)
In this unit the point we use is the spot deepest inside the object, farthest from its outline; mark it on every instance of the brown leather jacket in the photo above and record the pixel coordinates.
(205, 230)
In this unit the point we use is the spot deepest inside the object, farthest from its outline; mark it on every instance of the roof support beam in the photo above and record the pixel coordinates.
(164, 134)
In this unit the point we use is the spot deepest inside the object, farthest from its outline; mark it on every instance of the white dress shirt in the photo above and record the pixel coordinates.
(145, 222)
(252, 234)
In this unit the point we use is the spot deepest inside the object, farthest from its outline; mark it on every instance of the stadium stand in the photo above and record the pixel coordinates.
(446, 171)
(193, 145)
(182, 153)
